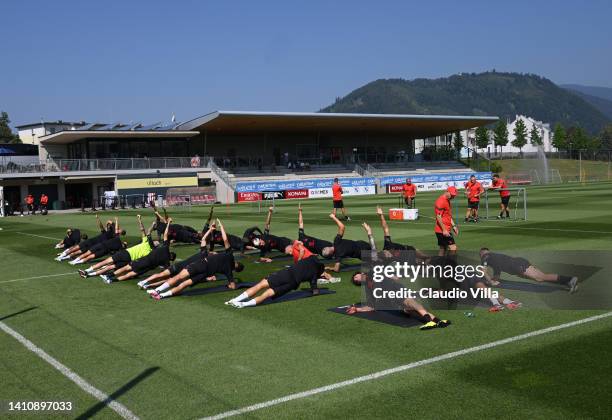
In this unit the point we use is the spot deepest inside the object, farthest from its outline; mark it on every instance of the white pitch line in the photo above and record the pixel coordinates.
(38, 236)
(398, 369)
(603, 232)
(117, 407)
(37, 277)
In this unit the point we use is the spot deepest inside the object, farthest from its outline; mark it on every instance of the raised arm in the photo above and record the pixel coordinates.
(167, 230)
(383, 222)
(204, 240)
(140, 225)
(338, 223)
(117, 228)
(158, 216)
(368, 230)
(226, 242)
(100, 225)
(151, 228)
(300, 218)
(210, 215)
(269, 218)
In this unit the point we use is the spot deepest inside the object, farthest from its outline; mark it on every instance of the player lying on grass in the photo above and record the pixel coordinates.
(178, 233)
(473, 281)
(103, 248)
(408, 306)
(100, 249)
(500, 185)
(160, 256)
(125, 256)
(281, 282)
(107, 232)
(73, 237)
(158, 279)
(517, 266)
(268, 242)
(216, 238)
(390, 248)
(347, 248)
(473, 191)
(445, 224)
(315, 245)
(206, 266)
(300, 252)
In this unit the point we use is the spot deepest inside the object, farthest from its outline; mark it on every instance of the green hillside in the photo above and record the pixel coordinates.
(491, 93)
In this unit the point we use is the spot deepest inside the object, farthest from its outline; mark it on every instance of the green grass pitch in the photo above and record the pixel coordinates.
(192, 357)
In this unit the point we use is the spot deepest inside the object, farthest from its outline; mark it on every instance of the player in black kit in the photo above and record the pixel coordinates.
(198, 271)
(281, 282)
(347, 248)
(315, 245)
(517, 266)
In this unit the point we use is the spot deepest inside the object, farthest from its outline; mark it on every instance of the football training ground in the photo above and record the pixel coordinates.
(114, 352)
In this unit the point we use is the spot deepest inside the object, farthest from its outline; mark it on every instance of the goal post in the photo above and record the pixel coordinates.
(517, 205)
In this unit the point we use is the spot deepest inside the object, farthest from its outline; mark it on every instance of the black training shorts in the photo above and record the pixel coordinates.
(282, 282)
(473, 204)
(505, 200)
(445, 241)
(121, 258)
(339, 204)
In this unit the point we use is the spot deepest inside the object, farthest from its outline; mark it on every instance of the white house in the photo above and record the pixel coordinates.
(546, 133)
(30, 133)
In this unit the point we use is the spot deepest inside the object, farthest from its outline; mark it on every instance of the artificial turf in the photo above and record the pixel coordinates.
(193, 356)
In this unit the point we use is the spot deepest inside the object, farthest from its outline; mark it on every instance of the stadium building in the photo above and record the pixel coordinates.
(224, 153)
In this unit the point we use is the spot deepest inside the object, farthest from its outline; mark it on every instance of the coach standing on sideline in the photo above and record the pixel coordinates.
(409, 192)
(504, 194)
(445, 225)
(337, 198)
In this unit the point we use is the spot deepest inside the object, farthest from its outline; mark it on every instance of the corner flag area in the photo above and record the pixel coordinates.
(110, 350)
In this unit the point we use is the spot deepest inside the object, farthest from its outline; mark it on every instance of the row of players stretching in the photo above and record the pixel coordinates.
(204, 265)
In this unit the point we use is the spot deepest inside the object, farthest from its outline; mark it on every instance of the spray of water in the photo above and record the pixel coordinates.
(543, 165)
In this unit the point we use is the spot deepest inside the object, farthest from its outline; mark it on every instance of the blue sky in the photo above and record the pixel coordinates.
(143, 60)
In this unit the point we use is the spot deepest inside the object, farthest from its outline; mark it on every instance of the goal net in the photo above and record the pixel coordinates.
(491, 204)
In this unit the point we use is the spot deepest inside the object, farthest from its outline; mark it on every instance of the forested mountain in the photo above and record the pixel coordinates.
(491, 93)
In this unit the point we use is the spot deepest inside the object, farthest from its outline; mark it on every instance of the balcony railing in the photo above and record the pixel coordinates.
(77, 165)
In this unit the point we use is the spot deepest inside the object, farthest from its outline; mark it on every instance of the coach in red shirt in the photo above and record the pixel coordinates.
(409, 192)
(445, 225)
(473, 190)
(337, 198)
(504, 194)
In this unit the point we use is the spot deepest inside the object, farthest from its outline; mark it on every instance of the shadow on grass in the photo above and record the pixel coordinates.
(18, 313)
(125, 388)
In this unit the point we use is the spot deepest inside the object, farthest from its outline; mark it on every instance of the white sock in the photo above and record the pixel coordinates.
(89, 270)
(494, 301)
(507, 301)
(166, 294)
(240, 298)
(249, 303)
(163, 287)
(64, 252)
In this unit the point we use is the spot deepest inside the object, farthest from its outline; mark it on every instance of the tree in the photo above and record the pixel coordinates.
(520, 135)
(458, 141)
(578, 139)
(482, 137)
(605, 137)
(535, 137)
(6, 134)
(559, 140)
(500, 134)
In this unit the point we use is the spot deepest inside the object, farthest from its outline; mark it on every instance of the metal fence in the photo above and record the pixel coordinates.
(75, 165)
